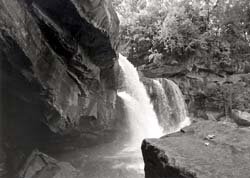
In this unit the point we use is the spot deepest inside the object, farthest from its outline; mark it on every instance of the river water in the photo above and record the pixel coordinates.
(111, 160)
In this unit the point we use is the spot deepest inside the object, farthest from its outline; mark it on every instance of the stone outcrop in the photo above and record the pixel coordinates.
(40, 165)
(206, 91)
(56, 53)
(241, 118)
(206, 149)
(58, 65)
(209, 92)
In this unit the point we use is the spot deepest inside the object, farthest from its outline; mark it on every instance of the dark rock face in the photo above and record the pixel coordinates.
(58, 65)
(208, 92)
(3, 170)
(204, 150)
(47, 50)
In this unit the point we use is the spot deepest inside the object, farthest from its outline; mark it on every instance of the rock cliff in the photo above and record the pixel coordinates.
(209, 94)
(204, 150)
(58, 64)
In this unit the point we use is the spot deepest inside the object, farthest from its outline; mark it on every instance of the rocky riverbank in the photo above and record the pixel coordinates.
(206, 149)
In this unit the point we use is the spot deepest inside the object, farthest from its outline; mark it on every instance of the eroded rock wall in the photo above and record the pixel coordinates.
(58, 64)
(209, 94)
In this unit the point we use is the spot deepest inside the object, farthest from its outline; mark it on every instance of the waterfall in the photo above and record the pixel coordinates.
(142, 119)
(170, 105)
(181, 105)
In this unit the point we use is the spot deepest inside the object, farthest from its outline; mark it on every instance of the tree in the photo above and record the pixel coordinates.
(205, 32)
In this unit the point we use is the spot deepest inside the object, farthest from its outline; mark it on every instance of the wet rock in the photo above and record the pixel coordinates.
(188, 155)
(39, 165)
(55, 56)
(205, 90)
(57, 68)
(241, 118)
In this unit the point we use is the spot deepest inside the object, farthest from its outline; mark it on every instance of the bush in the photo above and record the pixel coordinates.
(204, 32)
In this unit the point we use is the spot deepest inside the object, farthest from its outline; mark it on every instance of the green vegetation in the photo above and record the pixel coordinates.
(211, 34)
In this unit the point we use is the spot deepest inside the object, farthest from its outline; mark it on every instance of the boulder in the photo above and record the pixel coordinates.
(206, 149)
(241, 118)
(40, 165)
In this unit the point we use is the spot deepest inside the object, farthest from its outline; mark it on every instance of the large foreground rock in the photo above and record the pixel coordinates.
(204, 150)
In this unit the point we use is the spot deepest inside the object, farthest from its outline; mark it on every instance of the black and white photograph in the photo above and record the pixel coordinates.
(124, 88)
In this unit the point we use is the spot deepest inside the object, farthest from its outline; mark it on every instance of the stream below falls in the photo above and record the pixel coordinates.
(111, 160)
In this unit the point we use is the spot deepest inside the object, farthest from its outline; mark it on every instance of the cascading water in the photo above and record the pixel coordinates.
(117, 159)
(184, 119)
(142, 118)
(170, 104)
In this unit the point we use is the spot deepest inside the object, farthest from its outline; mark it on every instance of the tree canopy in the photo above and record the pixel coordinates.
(204, 32)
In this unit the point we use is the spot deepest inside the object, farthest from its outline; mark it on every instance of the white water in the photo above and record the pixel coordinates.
(113, 160)
(140, 113)
(182, 119)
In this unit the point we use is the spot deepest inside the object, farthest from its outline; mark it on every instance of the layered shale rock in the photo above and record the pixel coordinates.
(57, 54)
(58, 65)
(204, 150)
(206, 90)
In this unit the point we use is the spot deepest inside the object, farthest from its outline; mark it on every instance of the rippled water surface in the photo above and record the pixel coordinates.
(113, 160)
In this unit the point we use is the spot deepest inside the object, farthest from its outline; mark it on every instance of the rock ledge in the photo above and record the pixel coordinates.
(191, 154)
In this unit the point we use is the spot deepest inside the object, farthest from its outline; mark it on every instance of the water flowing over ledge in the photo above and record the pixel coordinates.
(151, 117)
(169, 105)
(142, 119)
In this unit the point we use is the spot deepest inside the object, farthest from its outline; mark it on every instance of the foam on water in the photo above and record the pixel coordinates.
(142, 119)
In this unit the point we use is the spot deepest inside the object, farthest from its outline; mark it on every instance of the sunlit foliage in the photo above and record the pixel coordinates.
(208, 32)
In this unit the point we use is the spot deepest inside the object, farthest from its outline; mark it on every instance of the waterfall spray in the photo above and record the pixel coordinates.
(143, 121)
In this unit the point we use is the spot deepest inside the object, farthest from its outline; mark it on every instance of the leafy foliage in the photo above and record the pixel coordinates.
(202, 32)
